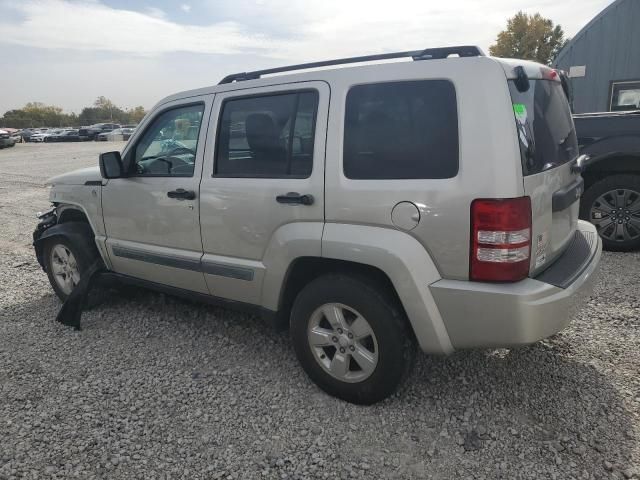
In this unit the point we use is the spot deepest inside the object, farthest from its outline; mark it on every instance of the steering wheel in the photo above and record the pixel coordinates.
(164, 160)
(172, 162)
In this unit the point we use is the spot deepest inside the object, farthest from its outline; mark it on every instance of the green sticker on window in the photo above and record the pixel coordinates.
(521, 111)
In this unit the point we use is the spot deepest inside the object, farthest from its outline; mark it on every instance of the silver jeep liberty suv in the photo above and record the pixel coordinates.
(375, 209)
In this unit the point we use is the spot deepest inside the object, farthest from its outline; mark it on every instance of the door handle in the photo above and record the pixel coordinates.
(294, 198)
(182, 194)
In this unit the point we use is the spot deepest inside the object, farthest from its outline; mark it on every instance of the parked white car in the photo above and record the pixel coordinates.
(119, 134)
(38, 137)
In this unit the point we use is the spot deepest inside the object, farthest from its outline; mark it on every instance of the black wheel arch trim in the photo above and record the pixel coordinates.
(596, 159)
(78, 233)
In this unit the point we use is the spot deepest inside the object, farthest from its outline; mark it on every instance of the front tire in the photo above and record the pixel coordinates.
(613, 206)
(351, 338)
(65, 264)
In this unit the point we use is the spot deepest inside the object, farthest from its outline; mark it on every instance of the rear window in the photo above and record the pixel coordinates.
(545, 127)
(401, 130)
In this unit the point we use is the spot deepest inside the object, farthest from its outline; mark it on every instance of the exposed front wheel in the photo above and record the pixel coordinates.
(613, 206)
(351, 338)
(65, 264)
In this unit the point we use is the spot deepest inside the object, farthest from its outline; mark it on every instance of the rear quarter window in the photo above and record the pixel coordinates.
(401, 130)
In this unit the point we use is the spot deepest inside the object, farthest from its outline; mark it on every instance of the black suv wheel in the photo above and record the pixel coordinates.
(613, 206)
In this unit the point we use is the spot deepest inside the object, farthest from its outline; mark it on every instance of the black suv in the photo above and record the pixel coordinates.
(611, 200)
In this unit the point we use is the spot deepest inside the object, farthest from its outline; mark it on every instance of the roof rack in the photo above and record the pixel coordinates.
(427, 54)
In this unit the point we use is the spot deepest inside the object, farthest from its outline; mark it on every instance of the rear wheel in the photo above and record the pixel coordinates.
(65, 264)
(351, 338)
(613, 206)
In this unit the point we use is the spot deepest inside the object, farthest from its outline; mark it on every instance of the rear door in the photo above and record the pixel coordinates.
(262, 184)
(548, 147)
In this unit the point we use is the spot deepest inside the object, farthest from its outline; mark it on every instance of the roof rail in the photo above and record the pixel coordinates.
(427, 54)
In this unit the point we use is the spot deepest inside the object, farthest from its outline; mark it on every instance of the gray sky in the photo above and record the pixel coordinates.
(68, 52)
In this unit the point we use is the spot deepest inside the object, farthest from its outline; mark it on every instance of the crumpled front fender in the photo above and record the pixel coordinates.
(78, 233)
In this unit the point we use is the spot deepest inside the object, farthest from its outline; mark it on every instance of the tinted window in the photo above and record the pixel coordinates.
(169, 145)
(545, 127)
(401, 130)
(267, 136)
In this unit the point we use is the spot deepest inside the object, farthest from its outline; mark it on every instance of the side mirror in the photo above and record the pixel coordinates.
(111, 165)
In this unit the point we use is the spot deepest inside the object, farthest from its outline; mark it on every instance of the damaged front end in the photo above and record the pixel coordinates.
(47, 220)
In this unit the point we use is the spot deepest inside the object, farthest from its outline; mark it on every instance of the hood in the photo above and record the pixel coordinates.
(77, 177)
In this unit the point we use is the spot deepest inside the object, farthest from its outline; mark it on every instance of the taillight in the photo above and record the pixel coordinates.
(549, 74)
(500, 239)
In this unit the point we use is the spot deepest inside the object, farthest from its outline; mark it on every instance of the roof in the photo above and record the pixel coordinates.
(580, 34)
(336, 70)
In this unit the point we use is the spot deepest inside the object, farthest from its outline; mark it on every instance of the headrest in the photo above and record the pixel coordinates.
(262, 131)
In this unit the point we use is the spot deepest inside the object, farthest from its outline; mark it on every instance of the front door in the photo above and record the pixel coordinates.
(151, 217)
(262, 189)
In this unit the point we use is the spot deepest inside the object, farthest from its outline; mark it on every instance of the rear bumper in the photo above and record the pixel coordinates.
(503, 315)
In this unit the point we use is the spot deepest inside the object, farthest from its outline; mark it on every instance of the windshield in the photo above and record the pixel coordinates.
(545, 127)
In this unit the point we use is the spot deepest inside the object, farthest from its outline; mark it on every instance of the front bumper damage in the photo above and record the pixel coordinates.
(47, 220)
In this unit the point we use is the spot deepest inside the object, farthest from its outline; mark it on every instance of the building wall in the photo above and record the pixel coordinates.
(609, 47)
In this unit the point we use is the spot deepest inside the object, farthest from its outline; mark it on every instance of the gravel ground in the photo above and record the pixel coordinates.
(156, 387)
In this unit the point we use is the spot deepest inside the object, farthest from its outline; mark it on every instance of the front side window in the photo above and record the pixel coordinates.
(401, 130)
(168, 147)
(267, 136)
(625, 96)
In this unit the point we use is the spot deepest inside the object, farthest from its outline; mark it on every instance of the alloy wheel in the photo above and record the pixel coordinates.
(343, 342)
(616, 215)
(64, 268)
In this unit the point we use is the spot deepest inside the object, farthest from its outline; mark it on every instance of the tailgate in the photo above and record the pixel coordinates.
(548, 148)
(555, 202)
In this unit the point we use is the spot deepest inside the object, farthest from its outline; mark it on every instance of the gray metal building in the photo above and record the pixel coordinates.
(603, 60)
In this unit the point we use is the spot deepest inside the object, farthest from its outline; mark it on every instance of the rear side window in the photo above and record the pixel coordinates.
(267, 136)
(545, 126)
(401, 130)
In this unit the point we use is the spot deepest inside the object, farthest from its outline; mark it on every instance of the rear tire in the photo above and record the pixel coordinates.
(368, 358)
(599, 207)
(65, 264)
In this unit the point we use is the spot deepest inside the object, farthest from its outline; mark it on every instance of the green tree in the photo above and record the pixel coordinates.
(37, 114)
(104, 103)
(103, 110)
(136, 114)
(530, 37)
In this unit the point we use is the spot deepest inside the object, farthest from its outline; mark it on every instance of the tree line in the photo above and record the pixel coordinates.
(36, 114)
